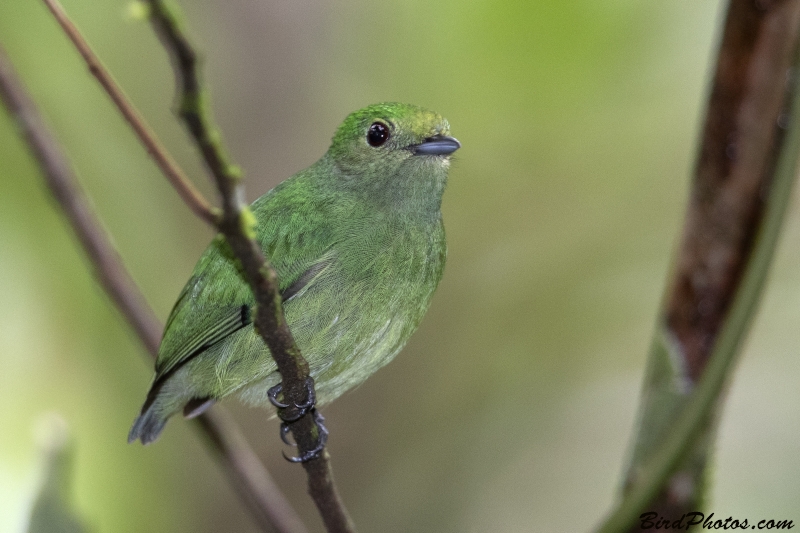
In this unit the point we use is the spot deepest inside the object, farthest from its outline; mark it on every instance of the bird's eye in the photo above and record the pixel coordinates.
(377, 134)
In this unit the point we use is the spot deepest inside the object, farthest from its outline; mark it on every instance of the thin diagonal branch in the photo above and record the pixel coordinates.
(61, 181)
(237, 226)
(190, 195)
(248, 477)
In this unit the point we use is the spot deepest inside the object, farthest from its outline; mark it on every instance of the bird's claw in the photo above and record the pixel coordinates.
(311, 397)
(322, 439)
(285, 435)
(302, 408)
(272, 395)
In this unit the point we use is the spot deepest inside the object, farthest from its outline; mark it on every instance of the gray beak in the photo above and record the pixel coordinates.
(437, 145)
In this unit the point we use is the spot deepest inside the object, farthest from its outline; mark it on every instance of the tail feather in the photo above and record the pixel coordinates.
(166, 398)
(147, 426)
(158, 408)
(153, 416)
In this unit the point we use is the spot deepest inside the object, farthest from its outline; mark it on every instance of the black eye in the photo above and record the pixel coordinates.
(377, 134)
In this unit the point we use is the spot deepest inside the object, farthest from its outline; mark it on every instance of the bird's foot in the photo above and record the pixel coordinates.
(299, 409)
(322, 439)
(292, 412)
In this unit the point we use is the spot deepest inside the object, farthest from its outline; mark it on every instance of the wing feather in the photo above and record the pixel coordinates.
(216, 302)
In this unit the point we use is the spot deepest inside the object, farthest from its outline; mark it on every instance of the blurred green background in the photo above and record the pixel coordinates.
(511, 408)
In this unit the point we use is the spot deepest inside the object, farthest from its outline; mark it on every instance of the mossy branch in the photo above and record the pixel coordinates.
(236, 224)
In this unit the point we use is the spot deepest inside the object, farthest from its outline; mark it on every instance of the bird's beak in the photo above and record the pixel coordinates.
(437, 145)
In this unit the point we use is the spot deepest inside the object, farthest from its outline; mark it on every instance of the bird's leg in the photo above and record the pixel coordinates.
(311, 397)
(297, 412)
(322, 439)
(302, 408)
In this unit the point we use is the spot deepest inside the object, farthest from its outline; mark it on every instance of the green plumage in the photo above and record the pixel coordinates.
(358, 244)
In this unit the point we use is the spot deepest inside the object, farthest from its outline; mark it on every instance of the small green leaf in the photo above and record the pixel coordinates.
(52, 510)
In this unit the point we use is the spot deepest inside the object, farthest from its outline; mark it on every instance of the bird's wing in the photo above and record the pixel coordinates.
(202, 325)
(213, 304)
(216, 300)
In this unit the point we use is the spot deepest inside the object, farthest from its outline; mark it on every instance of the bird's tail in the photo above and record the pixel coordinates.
(162, 402)
(148, 425)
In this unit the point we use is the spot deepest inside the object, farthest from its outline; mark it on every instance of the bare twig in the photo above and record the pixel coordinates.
(746, 167)
(247, 475)
(60, 179)
(168, 166)
(237, 226)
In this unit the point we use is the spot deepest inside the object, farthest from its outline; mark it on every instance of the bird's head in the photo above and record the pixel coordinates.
(396, 153)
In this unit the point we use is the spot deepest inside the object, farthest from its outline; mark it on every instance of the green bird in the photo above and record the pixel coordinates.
(358, 244)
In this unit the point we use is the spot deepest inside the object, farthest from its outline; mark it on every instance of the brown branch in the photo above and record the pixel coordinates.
(237, 226)
(199, 205)
(248, 477)
(737, 157)
(742, 139)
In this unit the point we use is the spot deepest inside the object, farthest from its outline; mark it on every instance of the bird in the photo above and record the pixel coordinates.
(358, 245)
